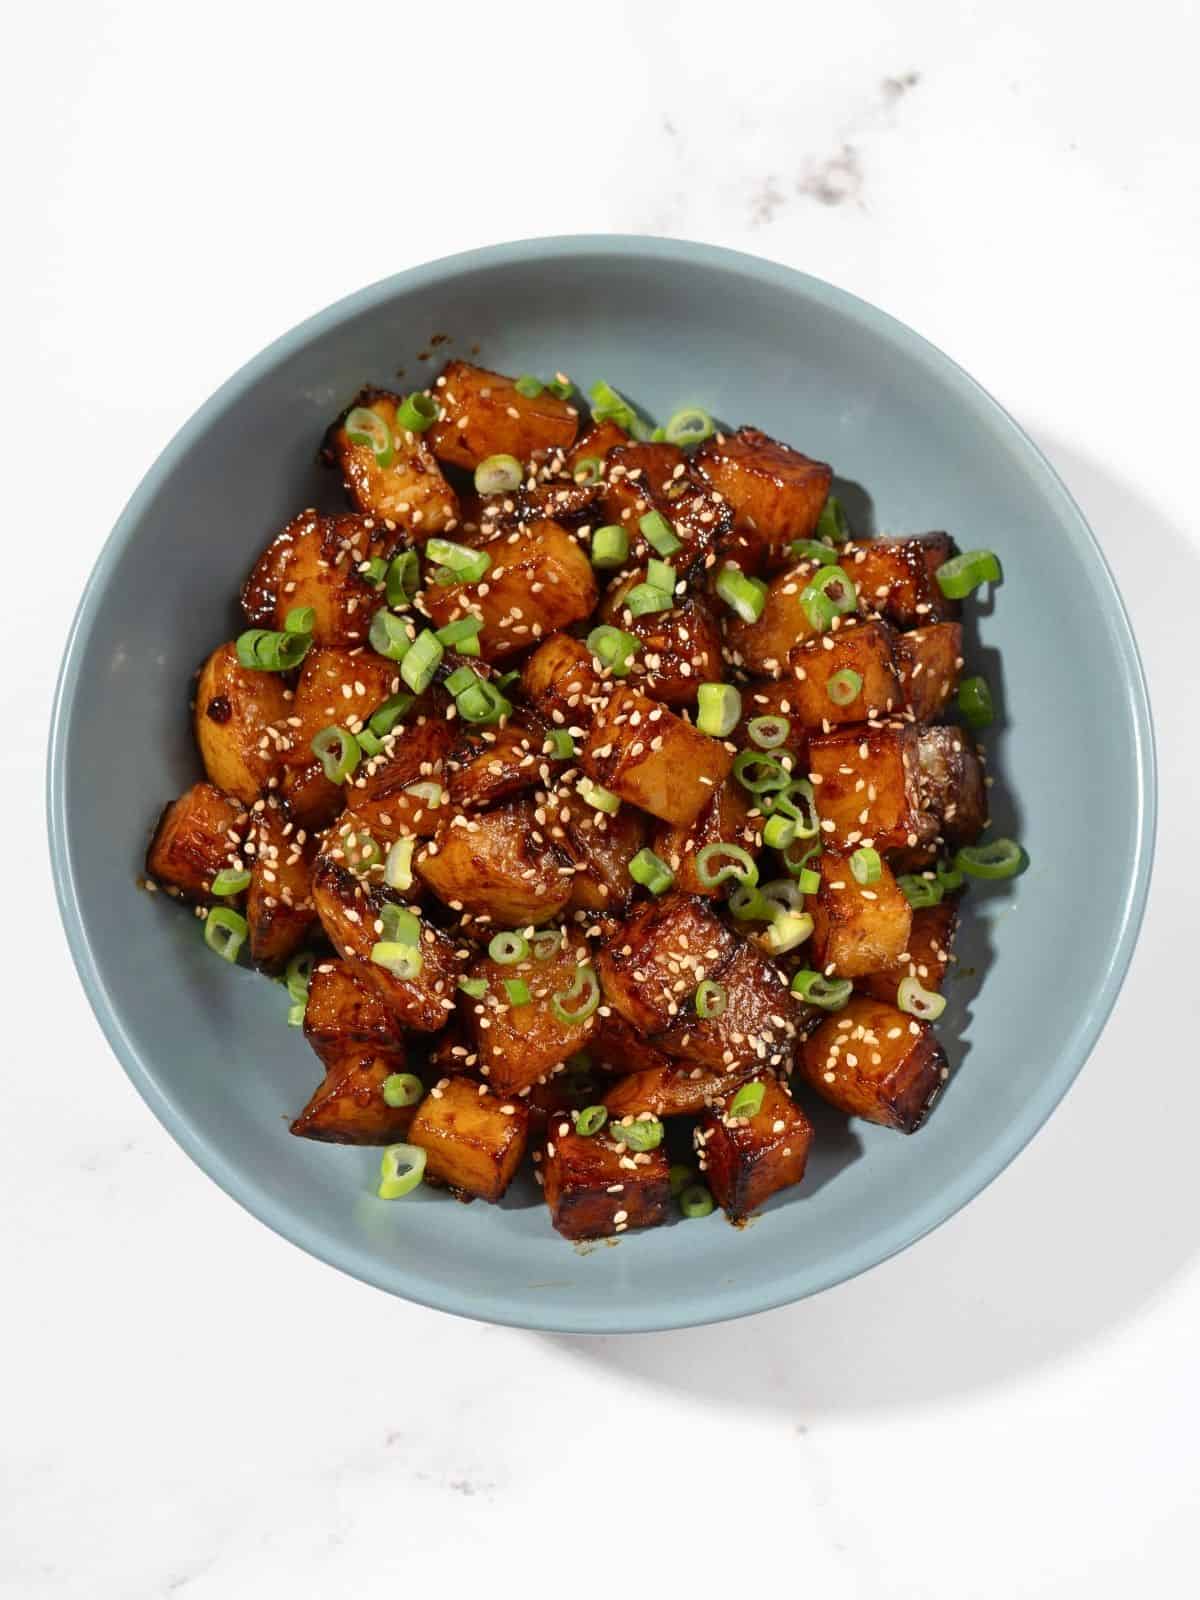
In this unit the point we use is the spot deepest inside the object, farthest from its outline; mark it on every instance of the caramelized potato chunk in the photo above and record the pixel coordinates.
(197, 836)
(315, 562)
(926, 956)
(680, 648)
(896, 578)
(484, 414)
(410, 490)
(597, 1188)
(473, 1140)
(487, 765)
(864, 649)
(775, 492)
(239, 715)
(380, 793)
(857, 928)
(498, 865)
(725, 819)
(348, 1107)
(756, 1026)
(673, 1090)
(650, 967)
(867, 787)
(951, 783)
(561, 680)
(599, 847)
(341, 687)
(652, 758)
(773, 700)
(620, 1048)
(639, 477)
(929, 661)
(748, 1159)
(279, 906)
(518, 1044)
(341, 1013)
(763, 647)
(312, 801)
(539, 581)
(595, 444)
(874, 1061)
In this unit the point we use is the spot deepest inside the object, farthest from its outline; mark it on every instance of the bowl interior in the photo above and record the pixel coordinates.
(918, 446)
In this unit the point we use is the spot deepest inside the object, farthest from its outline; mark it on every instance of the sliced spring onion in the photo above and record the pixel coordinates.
(386, 716)
(815, 989)
(641, 1133)
(481, 702)
(610, 406)
(561, 386)
(744, 596)
(402, 1089)
(796, 802)
(808, 881)
(528, 385)
(747, 1102)
(559, 745)
(401, 1168)
(784, 894)
(658, 436)
(920, 892)
(613, 648)
(300, 619)
(719, 709)
(651, 871)
(659, 534)
(295, 1016)
(506, 949)
(830, 593)
(689, 426)
(417, 412)
(975, 702)
(680, 1176)
(225, 932)
(1001, 858)
(749, 904)
(786, 930)
(949, 878)
(403, 961)
(545, 943)
(368, 742)
(759, 772)
(577, 1002)
(798, 854)
(462, 635)
(227, 881)
(517, 991)
(461, 678)
(644, 598)
(832, 524)
(588, 470)
(866, 865)
(400, 925)
(403, 580)
(364, 426)
(696, 1201)
(298, 975)
(338, 752)
(421, 661)
(661, 575)
(769, 732)
(844, 687)
(429, 793)
(498, 475)
(475, 987)
(373, 572)
(389, 636)
(918, 1001)
(718, 863)
(710, 998)
(364, 854)
(779, 831)
(467, 565)
(962, 574)
(595, 794)
(590, 1120)
(265, 651)
(397, 869)
(812, 550)
(610, 546)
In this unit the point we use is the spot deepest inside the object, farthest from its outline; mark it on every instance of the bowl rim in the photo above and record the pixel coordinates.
(735, 1300)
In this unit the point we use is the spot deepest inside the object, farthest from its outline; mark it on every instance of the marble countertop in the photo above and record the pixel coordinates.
(192, 1407)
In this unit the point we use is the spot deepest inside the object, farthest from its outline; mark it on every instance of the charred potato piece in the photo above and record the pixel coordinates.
(763, 647)
(380, 794)
(874, 1061)
(340, 687)
(499, 865)
(599, 847)
(484, 414)
(349, 910)
(756, 1027)
(348, 1107)
(929, 661)
(725, 819)
(595, 444)
(410, 490)
(652, 758)
(563, 683)
(748, 1159)
(867, 787)
(315, 562)
(539, 581)
(650, 967)
(680, 648)
(596, 1188)
(673, 1090)
(658, 477)
(857, 928)
(774, 491)
(618, 1047)
(863, 648)
(343, 1014)
(240, 719)
(773, 700)
(518, 1044)
(197, 836)
(952, 784)
(897, 578)
(312, 801)
(488, 765)
(926, 956)
(473, 1140)
(279, 907)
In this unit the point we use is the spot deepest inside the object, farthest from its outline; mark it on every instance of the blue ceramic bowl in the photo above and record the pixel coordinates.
(669, 322)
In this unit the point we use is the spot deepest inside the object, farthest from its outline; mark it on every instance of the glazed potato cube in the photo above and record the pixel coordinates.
(929, 661)
(680, 648)
(619, 1048)
(775, 492)
(596, 443)
(348, 1107)
(410, 491)
(863, 648)
(239, 717)
(279, 906)
(499, 865)
(952, 784)
(640, 478)
(773, 700)
(599, 847)
(341, 687)
(312, 801)
(380, 793)
(651, 965)
(866, 787)
(896, 578)
(518, 1044)
(484, 414)
(539, 581)
(315, 562)
(563, 683)
(725, 819)
(473, 1140)
(349, 911)
(926, 956)
(197, 836)
(874, 1061)
(341, 1014)
(746, 1160)
(561, 501)
(673, 1090)
(652, 758)
(488, 765)
(857, 928)
(763, 647)
(596, 1189)
(756, 1027)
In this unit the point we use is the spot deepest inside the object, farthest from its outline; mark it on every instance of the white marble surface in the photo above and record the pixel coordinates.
(192, 1407)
